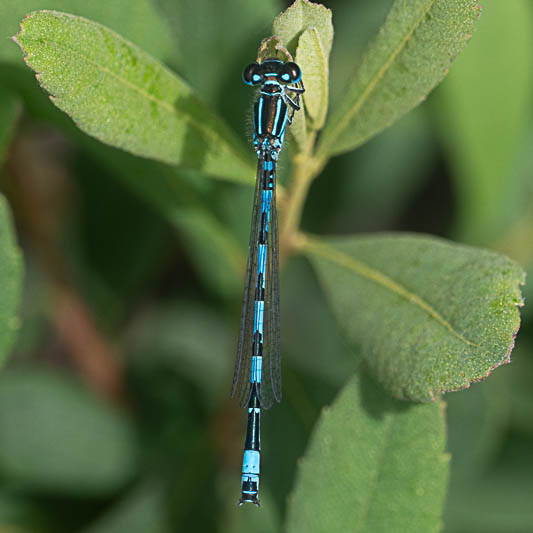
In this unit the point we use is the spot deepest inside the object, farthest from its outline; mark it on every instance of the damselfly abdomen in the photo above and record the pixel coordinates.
(257, 378)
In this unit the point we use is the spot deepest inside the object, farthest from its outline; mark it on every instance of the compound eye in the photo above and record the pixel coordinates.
(291, 73)
(250, 74)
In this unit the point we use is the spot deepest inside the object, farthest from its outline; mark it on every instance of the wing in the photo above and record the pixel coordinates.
(241, 377)
(271, 379)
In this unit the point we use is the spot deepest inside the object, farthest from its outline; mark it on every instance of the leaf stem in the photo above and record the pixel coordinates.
(306, 168)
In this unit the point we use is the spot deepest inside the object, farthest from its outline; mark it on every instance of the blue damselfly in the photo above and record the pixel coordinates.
(257, 378)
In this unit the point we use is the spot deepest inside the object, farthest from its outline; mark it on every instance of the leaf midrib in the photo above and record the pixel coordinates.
(366, 271)
(347, 117)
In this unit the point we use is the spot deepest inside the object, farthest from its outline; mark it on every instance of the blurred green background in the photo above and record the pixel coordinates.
(114, 404)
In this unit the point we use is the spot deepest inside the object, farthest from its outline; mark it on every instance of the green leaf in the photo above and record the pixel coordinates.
(137, 21)
(428, 316)
(54, 437)
(410, 55)
(122, 96)
(314, 64)
(300, 16)
(485, 113)
(373, 465)
(307, 29)
(10, 281)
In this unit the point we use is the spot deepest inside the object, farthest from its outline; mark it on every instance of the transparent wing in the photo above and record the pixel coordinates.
(271, 379)
(241, 376)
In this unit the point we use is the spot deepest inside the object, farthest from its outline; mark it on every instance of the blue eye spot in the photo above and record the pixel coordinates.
(256, 78)
(285, 77)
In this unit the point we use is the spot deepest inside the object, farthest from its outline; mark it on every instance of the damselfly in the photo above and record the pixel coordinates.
(257, 378)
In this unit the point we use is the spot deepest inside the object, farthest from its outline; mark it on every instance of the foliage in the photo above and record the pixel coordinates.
(123, 97)
(410, 55)
(403, 333)
(147, 325)
(369, 437)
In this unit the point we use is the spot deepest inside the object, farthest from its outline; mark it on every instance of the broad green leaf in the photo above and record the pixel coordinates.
(373, 465)
(300, 16)
(410, 55)
(137, 21)
(122, 96)
(486, 112)
(314, 64)
(54, 437)
(427, 315)
(10, 281)
(9, 106)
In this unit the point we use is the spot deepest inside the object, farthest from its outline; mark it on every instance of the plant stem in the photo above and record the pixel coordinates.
(306, 168)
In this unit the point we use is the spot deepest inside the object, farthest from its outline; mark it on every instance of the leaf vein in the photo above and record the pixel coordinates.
(377, 77)
(379, 278)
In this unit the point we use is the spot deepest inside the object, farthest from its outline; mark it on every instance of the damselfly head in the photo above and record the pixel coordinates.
(273, 69)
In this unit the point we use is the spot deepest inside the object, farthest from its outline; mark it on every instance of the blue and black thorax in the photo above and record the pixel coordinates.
(274, 108)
